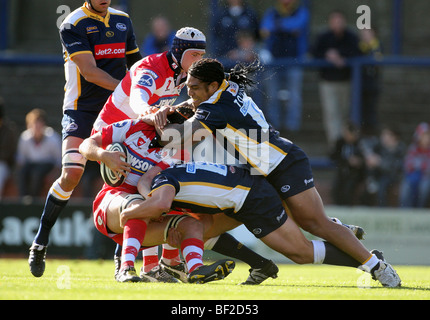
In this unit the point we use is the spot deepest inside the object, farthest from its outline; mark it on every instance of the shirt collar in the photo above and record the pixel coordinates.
(94, 16)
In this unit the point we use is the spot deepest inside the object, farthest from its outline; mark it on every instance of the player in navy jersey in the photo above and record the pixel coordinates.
(211, 189)
(98, 46)
(225, 110)
(145, 153)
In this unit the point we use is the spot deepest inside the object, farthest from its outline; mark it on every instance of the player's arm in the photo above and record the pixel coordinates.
(144, 183)
(176, 134)
(89, 70)
(159, 201)
(91, 148)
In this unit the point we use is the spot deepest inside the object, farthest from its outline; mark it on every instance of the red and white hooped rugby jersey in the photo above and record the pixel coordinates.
(153, 81)
(136, 135)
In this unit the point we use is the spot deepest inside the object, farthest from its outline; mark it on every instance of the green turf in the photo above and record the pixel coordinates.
(81, 279)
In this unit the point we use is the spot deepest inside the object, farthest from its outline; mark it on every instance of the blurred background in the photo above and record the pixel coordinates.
(370, 153)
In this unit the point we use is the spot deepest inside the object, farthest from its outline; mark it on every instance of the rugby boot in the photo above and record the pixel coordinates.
(36, 259)
(258, 275)
(386, 275)
(357, 230)
(384, 272)
(179, 271)
(117, 261)
(213, 272)
(128, 274)
(157, 274)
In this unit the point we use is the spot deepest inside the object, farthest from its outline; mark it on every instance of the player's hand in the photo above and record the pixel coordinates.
(114, 161)
(160, 117)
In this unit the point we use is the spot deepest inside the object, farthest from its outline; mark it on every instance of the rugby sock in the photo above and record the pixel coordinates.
(55, 202)
(150, 258)
(118, 250)
(192, 251)
(370, 263)
(133, 235)
(326, 253)
(227, 245)
(170, 255)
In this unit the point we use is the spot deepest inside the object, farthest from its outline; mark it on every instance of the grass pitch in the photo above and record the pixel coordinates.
(84, 280)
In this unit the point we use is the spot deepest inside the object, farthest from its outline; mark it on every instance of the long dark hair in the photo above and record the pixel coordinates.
(210, 70)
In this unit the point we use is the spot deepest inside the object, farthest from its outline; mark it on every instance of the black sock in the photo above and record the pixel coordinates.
(229, 246)
(337, 257)
(118, 250)
(52, 210)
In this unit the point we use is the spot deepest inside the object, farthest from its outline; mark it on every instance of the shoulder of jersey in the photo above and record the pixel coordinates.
(118, 12)
(155, 64)
(74, 17)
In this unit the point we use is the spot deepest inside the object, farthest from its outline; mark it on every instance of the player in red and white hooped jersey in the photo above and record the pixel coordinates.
(110, 202)
(154, 81)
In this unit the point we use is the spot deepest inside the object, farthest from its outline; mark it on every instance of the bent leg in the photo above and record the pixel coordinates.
(290, 241)
(308, 211)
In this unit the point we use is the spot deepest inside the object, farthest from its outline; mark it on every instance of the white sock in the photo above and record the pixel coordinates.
(57, 192)
(370, 263)
(209, 244)
(319, 251)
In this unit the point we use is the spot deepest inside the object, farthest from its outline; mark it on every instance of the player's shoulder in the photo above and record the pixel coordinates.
(74, 18)
(116, 12)
(155, 65)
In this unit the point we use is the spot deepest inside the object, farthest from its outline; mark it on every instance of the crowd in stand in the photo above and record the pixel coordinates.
(374, 164)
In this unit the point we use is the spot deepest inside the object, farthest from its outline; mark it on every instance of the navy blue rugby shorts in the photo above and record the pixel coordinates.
(262, 211)
(78, 123)
(293, 175)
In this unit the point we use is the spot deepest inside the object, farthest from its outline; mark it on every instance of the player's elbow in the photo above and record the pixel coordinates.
(163, 206)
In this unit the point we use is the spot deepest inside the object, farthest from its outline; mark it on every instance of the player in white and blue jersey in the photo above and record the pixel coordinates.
(98, 46)
(225, 110)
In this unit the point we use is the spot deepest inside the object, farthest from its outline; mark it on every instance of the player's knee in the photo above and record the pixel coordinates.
(70, 178)
(73, 166)
(191, 227)
(313, 226)
(300, 257)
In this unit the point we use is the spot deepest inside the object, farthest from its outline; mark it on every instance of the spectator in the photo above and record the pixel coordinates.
(246, 50)
(384, 163)
(335, 45)
(284, 29)
(349, 166)
(415, 187)
(231, 18)
(8, 138)
(161, 37)
(370, 46)
(39, 152)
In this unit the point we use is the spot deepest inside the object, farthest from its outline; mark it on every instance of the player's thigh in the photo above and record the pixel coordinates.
(289, 240)
(307, 209)
(119, 202)
(220, 223)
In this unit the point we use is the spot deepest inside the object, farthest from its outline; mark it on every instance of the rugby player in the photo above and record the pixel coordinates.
(98, 46)
(153, 82)
(138, 137)
(224, 109)
(111, 201)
